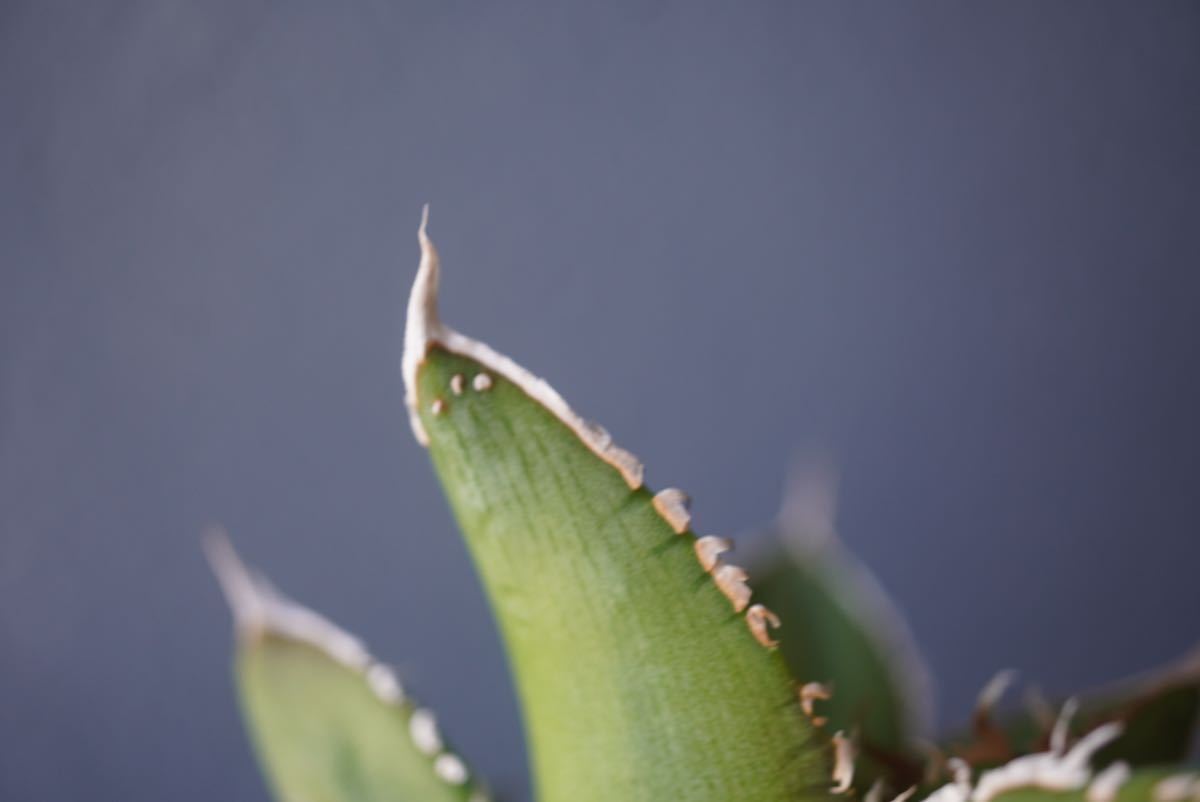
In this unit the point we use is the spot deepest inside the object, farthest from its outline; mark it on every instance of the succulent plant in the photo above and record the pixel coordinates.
(647, 666)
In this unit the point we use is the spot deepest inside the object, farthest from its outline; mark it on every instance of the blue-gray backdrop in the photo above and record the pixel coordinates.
(954, 246)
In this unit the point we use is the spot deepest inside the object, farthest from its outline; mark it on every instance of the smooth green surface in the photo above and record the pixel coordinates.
(637, 679)
(828, 642)
(1139, 788)
(322, 736)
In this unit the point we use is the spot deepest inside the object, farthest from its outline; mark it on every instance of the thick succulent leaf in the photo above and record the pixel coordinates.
(843, 630)
(1159, 712)
(328, 722)
(638, 679)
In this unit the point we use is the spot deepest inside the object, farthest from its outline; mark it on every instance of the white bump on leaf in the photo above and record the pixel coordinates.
(482, 382)
(672, 504)
(759, 618)
(456, 384)
(709, 548)
(423, 728)
(731, 580)
(450, 769)
(384, 683)
(438, 406)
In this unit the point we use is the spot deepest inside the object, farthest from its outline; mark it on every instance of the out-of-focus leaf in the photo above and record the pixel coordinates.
(328, 722)
(843, 630)
(638, 678)
(1159, 710)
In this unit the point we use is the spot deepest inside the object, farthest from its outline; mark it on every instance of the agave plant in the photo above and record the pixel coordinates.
(647, 666)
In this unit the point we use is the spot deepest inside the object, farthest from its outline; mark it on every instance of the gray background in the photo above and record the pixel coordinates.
(954, 247)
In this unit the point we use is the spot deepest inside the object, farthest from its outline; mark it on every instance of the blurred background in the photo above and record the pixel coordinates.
(954, 248)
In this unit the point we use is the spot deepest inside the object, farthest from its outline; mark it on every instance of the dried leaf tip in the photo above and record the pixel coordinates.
(423, 327)
(242, 591)
(259, 609)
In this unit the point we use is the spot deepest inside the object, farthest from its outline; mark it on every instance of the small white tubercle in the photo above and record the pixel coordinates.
(423, 329)
(423, 728)
(450, 769)
(384, 684)
(672, 504)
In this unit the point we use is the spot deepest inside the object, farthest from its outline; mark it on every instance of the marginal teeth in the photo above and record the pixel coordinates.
(672, 504)
(709, 548)
(731, 580)
(450, 769)
(384, 683)
(759, 618)
(423, 728)
(1107, 784)
(843, 763)
(810, 693)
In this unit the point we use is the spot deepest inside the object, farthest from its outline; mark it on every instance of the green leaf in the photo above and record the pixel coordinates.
(329, 723)
(844, 631)
(638, 678)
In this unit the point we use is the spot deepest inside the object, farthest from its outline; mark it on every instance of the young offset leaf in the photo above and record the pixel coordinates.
(639, 679)
(1159, 713)
(844, 632)
(329, 723)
